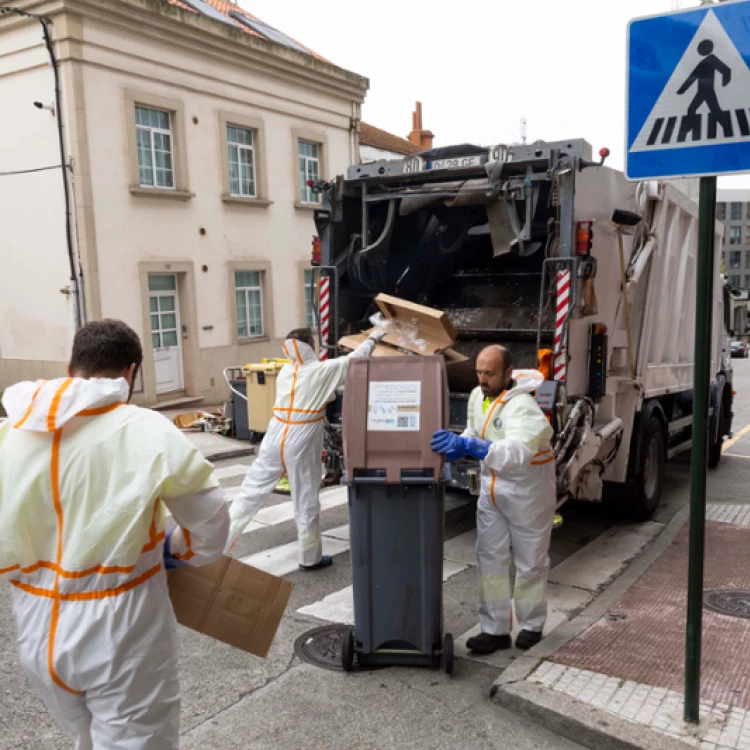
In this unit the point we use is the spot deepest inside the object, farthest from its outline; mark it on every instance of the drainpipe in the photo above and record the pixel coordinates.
(353, 130)
(76, 291)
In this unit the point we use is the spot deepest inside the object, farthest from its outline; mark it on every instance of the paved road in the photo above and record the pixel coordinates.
(233, 700)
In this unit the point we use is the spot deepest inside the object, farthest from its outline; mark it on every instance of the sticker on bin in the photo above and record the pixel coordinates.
(394, 406)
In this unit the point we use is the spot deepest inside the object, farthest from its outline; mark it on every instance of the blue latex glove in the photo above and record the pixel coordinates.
(454, 447)
(170, 561)
(448, 444)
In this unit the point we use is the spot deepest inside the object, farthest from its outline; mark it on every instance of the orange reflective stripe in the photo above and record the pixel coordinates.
(84, 596)
(299, 411)
(153, 537)
(492, 488)
(10, 569)
(52, 416)
(541, 463)
(286, 351)
(498, 401)
(35, 590)
(299, 421)
(88, 596)
(296, 350)
(20, 422)
(100, 410)
(160, 537)
(55, 476)
(43, 564)
(189, 554)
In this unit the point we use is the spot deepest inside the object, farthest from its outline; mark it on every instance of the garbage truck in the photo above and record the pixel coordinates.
(580, 273)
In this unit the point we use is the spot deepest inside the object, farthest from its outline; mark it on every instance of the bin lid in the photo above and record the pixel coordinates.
(267, 365)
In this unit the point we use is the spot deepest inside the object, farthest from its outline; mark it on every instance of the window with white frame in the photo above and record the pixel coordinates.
(735, 258)
(309, 169)
(736, 211)
(248, 286)
(154, 139)
(735, 235)
(241, 152)
(721, 211)
(735, 281)
(310, 321)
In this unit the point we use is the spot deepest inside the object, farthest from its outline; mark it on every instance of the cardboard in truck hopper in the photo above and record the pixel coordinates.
(432, 328)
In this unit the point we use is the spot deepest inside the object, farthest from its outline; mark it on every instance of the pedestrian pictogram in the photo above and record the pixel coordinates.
(689, 93)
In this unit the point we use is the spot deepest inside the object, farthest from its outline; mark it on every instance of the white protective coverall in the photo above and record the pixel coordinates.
(516, 505)
(293, 444)
(84, 479)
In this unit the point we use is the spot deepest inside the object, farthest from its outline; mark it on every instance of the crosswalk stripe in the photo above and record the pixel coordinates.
(339, 606)
(284, 559)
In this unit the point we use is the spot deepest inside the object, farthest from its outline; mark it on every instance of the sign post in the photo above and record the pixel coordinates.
(688, 115)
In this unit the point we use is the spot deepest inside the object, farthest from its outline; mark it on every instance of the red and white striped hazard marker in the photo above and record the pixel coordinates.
(563, 310)
(325, 312)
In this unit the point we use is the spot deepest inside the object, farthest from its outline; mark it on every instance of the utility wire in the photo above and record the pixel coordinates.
(31, 171)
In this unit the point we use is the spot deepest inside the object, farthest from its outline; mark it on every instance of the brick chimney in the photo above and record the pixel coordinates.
(419, 136)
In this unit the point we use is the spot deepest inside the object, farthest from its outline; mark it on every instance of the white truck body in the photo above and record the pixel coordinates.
(488, 235)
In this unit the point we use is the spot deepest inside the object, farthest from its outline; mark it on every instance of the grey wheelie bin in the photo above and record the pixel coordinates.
(392, 406)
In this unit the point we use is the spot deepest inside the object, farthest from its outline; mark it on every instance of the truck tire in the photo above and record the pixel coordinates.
(715, 443)
(649, 475)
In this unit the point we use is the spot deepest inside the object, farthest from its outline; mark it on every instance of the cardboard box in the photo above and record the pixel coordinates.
(231, 602)
(350, 343)
(416, 323)
(183, 421)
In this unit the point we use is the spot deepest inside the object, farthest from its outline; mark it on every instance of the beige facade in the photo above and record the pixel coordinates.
(167, 258)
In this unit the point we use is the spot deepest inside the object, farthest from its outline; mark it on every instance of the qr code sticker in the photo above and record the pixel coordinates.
(403, 422)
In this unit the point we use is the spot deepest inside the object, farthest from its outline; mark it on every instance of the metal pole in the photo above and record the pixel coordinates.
(701, 386)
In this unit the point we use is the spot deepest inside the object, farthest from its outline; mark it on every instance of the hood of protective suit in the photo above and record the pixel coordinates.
(524, 381)
(299, 352)
(45, 406)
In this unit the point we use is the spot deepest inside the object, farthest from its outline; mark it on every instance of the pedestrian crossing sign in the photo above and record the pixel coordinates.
(688, 93)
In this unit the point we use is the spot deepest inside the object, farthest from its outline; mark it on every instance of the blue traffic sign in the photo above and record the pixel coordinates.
(688, 93)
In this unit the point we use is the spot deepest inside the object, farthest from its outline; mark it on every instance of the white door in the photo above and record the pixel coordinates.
(165, 331)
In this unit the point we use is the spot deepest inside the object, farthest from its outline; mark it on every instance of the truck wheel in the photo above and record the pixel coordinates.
(715, 446)
(649, 475)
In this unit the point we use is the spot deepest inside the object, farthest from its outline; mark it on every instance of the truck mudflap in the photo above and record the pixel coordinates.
(583, 451)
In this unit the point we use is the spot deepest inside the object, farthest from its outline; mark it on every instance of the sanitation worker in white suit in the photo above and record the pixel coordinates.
(510, 435)
(293, 444)
(84, 480)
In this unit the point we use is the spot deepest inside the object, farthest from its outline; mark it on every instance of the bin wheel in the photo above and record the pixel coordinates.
(448, 653)
(347, 651)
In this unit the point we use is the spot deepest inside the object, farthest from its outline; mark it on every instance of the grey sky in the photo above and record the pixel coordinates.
(479, 66)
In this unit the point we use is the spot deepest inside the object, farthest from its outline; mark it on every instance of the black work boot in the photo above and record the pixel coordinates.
(484, 643)
(325, 562)
(526, 639)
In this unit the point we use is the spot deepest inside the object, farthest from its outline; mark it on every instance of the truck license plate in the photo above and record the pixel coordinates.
(458, 162)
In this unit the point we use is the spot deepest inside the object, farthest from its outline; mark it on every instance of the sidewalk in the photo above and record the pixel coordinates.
(613, 676)
(214, 447)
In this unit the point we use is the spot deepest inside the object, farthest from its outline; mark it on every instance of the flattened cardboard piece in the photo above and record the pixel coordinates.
(231, 602)
(451, 356)
(433, 326)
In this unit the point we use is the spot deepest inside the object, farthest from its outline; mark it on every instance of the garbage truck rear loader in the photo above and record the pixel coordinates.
(580, 273)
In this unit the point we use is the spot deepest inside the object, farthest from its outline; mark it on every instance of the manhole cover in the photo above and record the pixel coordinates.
(322, 646)
(728, 602)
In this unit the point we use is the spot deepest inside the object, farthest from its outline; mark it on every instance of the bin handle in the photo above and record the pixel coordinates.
(425, 480)
(226, 379)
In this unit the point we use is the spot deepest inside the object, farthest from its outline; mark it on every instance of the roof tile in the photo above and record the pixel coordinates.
(369, 135)
(223, 6)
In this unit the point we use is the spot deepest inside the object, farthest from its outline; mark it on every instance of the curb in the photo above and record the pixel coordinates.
(591, 727)
(233, 453)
